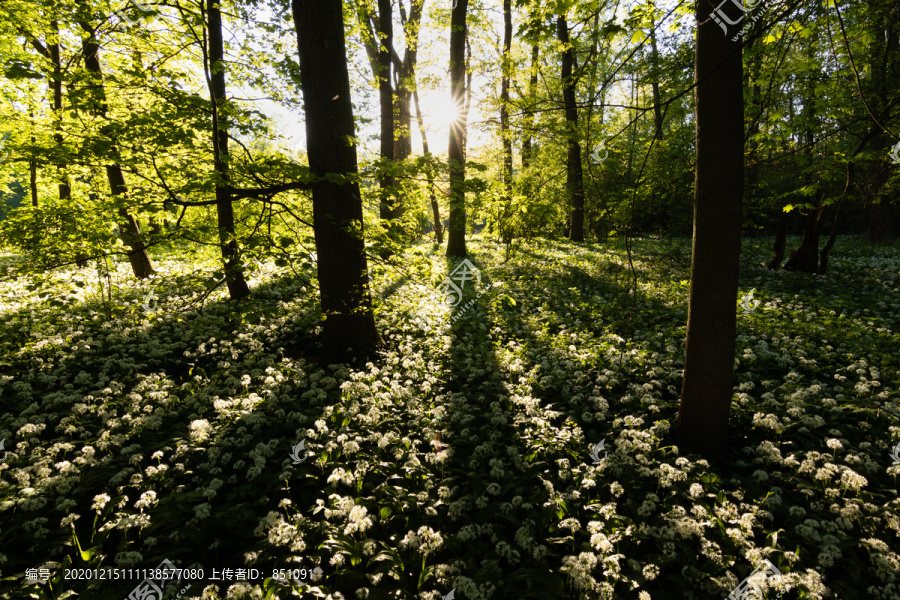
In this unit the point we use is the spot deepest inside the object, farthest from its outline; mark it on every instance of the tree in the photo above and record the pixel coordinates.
(51, 52)
(456, 152)
(234, 277)
(505, 134)
(386, 100)
(129, 230)
(719, 183)
(337, 203)
(394, 98)
(574, 173)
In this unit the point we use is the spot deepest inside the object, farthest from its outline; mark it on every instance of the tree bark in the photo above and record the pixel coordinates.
(129, 230)
(574, 175)
(337, 206)
(709, 354)
(456, 152)
(234, 277)
(386, 100)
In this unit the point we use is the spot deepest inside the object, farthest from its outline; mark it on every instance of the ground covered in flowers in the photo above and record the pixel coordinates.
(145, 421)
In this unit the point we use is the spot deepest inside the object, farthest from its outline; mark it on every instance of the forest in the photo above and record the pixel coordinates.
(449, 299)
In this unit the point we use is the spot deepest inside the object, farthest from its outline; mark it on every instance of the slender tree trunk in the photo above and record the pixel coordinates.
(709, 354)
(657, 109)
(435, 209)
(234, 276)
(337, 206)
(456, 152)
(65, 190)
(386, 100)
(406, 84)
(574, 175)
(504, 99)
(527, 149)
(52, 52)
(780, 242)
(129, 230)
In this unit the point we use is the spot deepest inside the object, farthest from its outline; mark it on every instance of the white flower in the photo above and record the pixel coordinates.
(146, 500)
(202, 511)
(100, 501)
(200, 430)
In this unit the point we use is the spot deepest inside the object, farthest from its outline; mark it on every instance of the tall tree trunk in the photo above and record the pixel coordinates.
(52, 52)
(574, 175)
(386, 100)
(406, 83)
(337, 207)
(505, 134)
(129, 230)
(527, 149)
(65, 190)
(654, 83)
(435, 209)
(234, 276)
(709, 353)
(780, 242)
(456, 152)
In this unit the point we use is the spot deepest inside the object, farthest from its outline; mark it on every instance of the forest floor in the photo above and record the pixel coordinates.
(142, 424)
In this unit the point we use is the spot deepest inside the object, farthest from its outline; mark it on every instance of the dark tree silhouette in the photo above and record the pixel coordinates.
(337, 204)
(719, 184)
(456, 153)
